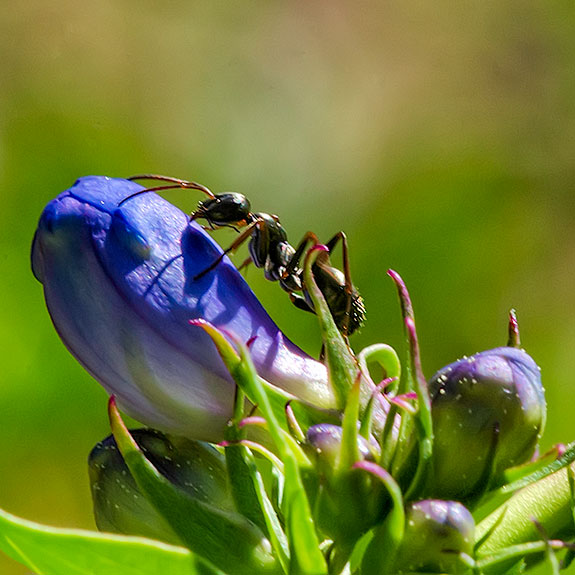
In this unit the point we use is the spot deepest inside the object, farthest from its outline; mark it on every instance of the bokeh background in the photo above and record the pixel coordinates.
(439, 135)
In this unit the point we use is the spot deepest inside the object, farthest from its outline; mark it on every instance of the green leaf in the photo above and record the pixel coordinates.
(226, 539)
(520, 520)
(536, 472)
(55, 551)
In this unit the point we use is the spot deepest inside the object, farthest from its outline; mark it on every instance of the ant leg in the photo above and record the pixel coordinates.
(211, 227)
(300, 302)
(245, 263)
(340, 236)
(309, 236)
(236, 244)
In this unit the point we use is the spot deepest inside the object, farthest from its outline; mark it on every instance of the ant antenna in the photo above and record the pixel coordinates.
(174, 183)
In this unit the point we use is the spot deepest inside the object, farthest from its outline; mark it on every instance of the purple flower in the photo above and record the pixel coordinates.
(436, 533)
(488, 414)
(119, 285)
(325, 439)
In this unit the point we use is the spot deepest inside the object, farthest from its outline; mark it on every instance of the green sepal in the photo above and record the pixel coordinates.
(387, 359)
(341, 363)
(520, 472)
(306, 413)
(306, 557)
(349, 452)
(242, 485)
(247, 486)
(239, 471)
(513, 337)
(228, 540)
(120, 507)
(55, 551)
(381, 551)
(348, 503)
(254, 501)
(414, 381)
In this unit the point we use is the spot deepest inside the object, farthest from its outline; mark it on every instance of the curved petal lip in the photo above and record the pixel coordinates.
(100, 262)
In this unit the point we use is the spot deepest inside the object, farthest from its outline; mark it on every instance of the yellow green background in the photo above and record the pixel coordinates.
(439, 135)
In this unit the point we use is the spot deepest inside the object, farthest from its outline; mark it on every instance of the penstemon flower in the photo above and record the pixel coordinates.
(118, 288)
(319, 469)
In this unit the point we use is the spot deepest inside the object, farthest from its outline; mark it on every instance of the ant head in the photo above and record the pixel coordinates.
(225, 209)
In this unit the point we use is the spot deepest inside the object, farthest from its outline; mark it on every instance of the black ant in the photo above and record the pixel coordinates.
(269, 249)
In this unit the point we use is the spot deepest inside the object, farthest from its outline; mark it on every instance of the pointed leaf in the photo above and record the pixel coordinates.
(55, 551)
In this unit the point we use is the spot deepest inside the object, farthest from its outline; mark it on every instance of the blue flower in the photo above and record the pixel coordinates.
(120, 288)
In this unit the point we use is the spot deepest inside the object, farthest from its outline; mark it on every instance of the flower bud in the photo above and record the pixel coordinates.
(121, 286)
(488, 413)
(348, 502)
(325, 441)
(436, 533)
(120, 507)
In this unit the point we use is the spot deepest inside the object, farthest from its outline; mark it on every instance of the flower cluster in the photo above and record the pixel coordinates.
(319, 468)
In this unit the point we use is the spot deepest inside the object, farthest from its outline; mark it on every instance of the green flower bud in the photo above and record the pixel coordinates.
(436, 534)
(488, 413)
(119, 505)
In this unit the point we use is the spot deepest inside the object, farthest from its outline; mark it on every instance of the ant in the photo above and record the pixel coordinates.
(269, 249)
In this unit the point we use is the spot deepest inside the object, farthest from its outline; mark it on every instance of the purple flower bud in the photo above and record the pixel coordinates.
(325, 440)
(436, 533)
(488, 414)
(119, 505)
(119, 285)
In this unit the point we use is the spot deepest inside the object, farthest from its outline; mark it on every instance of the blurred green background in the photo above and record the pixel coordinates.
(439, 135)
